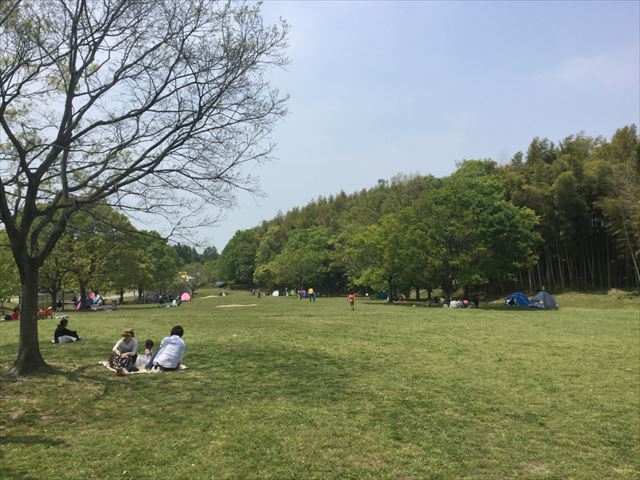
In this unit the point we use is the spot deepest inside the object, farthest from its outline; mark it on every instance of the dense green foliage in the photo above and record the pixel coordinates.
(188, 254)
(300, 390)
(101, 251)
(9, 278)
(563, 216)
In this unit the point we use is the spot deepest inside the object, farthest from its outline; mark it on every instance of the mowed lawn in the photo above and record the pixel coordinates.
(300, 390)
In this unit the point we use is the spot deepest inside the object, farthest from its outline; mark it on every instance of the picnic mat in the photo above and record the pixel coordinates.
(105, 364)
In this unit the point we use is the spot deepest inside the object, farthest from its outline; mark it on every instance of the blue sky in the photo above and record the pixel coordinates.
(381, 88)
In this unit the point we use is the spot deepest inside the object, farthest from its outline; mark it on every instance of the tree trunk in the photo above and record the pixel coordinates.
(83, 295)
(29, 357)
(121, 296)
(390, 294)
(447, 288)
(634, 262)
(560, 268)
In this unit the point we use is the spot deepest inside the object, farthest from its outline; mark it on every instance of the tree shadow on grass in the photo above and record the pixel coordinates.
(8, 473)
(269, 372)
(30, 440)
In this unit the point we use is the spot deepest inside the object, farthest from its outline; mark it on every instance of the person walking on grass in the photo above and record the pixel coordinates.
(352, 301)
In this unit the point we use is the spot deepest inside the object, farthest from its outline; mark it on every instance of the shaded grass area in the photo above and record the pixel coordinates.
(290, 389)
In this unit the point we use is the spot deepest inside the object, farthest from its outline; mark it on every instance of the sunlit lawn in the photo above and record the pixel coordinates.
(296, 390)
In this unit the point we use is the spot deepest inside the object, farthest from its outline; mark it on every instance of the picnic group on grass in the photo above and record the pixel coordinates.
(124, 357)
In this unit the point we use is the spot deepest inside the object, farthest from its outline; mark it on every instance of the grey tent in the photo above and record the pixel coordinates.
(543, 300)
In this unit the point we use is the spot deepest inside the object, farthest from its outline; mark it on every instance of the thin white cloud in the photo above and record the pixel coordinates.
(610, 70)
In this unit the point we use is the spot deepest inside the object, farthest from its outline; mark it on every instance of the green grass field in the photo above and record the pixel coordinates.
(294, 390)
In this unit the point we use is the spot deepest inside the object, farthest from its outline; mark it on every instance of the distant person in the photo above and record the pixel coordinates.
(125, 352)
(312, 295)
(63, 335)
(352, 301)
(171, 351)
(174, 303)
(15, 314)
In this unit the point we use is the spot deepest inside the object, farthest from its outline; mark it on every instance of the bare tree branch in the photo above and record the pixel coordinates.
(148, 105)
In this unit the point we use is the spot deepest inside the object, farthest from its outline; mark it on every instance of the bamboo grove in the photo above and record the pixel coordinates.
(565, 216)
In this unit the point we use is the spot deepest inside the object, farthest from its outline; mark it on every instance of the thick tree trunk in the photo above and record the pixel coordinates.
(29, 357)
(83, 295)
(608, 264)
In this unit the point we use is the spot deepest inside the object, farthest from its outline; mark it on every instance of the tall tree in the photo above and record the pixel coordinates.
(155, 105)
(158, 264)
(95, 243)
(237, 261)
(380, 255)
(306, 259)
(622, 205)
(187, 253)
(473, 234)
(208, 254)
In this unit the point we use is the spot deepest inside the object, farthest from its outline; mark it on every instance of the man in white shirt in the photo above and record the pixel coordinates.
(171, 351)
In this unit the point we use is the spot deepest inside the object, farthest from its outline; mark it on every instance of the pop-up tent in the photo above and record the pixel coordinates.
(185, 297)
(543, 300)
(517, 299)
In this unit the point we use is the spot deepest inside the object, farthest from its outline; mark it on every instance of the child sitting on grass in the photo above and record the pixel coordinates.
(143, 360)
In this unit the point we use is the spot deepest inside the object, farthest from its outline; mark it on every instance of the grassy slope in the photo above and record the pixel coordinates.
(290, 389)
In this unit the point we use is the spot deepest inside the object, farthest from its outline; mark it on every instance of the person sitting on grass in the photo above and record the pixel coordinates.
(63, 334)
(143, 360)
(171, 351)
(124, 353)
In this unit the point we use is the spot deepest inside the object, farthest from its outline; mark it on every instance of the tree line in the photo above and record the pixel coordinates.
(101, 251)
(565, 216)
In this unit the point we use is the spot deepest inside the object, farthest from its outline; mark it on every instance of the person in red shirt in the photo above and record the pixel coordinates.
(352, 300)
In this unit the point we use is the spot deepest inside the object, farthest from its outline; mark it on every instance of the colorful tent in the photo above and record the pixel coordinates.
(185, 297)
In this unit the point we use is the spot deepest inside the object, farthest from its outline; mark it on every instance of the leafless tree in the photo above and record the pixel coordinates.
(144, 104)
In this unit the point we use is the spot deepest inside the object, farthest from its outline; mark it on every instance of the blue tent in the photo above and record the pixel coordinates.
(517, 299)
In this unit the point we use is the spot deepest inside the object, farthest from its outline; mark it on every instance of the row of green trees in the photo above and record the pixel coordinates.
(563, 216)
(101, 251)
